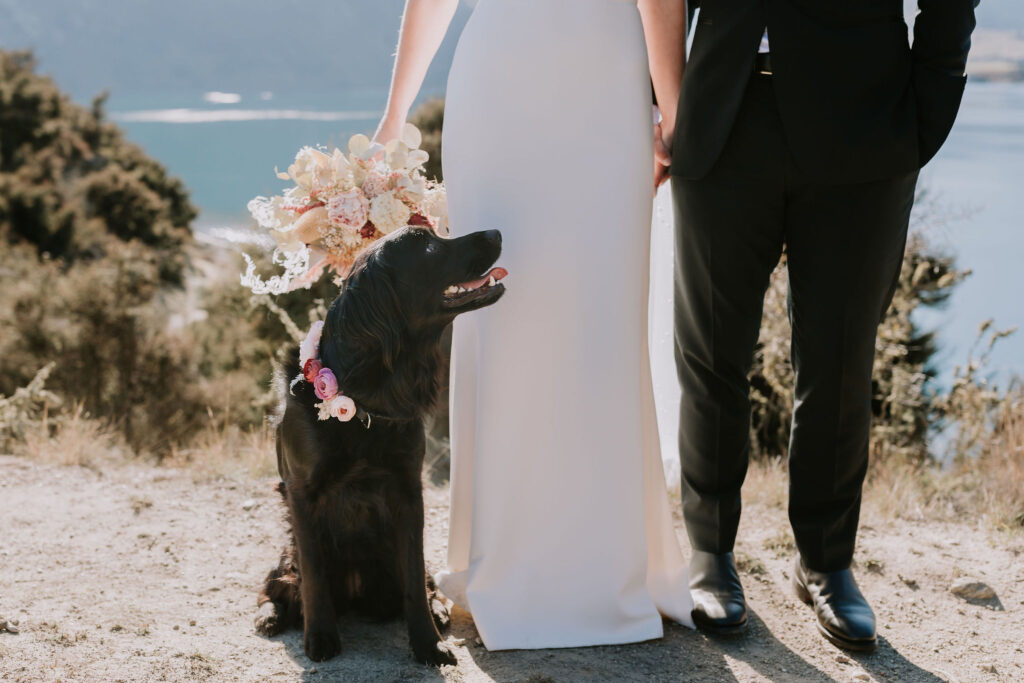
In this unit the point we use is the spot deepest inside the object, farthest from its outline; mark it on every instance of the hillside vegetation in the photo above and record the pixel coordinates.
(146, 339)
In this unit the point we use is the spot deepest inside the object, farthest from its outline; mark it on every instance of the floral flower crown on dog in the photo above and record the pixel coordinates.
(333, 403)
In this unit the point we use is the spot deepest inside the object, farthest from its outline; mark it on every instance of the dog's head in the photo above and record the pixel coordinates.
(409, 285)
(433, 278)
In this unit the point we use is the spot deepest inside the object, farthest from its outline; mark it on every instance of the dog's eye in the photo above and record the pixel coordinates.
(431, 247)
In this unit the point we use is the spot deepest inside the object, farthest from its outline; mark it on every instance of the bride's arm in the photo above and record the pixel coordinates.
(665, 31)
(423, 27)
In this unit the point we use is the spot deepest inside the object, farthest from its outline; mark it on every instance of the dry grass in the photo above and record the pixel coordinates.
(227, 451)
(78, 440)
(767, 483)
(986, 489)
(219, 451)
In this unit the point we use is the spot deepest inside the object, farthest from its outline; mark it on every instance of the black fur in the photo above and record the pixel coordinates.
(354, 494)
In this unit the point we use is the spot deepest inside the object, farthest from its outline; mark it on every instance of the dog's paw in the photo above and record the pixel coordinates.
(441, 612)
(434, 654)
(269, 622)
(322, 645)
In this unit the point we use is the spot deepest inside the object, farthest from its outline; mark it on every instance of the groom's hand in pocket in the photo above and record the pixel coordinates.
(662, 156)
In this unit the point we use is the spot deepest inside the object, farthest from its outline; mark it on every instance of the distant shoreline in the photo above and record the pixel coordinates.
(997, 56)
(994, 71)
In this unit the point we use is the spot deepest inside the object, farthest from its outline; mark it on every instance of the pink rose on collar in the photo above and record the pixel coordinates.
(342, 408)
(325, 384)
(311, 369)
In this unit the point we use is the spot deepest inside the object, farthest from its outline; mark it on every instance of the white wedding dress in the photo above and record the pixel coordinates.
(561, 528)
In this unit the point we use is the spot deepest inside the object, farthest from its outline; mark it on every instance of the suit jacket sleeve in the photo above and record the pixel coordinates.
(942, 34)
(942, 39)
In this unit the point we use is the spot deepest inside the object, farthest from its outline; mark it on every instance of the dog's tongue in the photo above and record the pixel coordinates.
(496, 273)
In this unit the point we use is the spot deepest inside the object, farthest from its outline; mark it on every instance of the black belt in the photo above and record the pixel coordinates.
(763, 64)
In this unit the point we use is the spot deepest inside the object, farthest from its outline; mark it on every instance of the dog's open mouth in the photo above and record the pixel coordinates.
(484, 290)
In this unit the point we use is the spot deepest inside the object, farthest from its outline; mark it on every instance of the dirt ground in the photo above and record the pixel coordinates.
(139, 573)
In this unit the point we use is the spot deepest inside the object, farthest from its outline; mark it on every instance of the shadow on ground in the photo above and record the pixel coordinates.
(682, 655)
(379, 652)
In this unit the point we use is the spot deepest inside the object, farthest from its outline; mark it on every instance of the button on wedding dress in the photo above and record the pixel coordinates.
(561, 529)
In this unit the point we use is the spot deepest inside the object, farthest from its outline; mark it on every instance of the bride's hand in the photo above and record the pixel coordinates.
(389, 128)
(662, 155)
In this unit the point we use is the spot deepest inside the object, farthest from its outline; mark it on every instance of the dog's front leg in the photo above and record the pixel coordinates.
(423, 636)
(320, 623)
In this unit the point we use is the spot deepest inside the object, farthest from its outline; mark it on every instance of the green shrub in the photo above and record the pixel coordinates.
(93, 239)
(69, 181)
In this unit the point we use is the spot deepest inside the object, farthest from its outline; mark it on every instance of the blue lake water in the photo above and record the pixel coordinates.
(226, 155)
(979, 174)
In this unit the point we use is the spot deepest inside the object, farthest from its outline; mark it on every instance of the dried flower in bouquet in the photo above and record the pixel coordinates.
(339, 204)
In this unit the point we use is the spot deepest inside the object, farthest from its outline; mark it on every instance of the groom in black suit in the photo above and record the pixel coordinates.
(801, 128)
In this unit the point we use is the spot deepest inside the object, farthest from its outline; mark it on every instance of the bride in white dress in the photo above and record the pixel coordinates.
(561, 529)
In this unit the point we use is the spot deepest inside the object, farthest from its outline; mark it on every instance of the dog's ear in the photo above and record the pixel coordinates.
(368, 315)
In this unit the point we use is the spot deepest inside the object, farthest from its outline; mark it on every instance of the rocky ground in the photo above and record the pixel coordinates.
(137, 573)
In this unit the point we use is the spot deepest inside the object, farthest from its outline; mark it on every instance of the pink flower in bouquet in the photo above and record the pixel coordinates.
(342, 408)
(418, 219)
(348, 209)
(368, 231)
(375, 184)
(325, 385)
(311, 369)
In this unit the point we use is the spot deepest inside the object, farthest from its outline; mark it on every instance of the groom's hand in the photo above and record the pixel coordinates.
(662, 155)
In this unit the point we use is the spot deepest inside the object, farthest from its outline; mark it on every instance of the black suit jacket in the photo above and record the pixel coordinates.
(857, 103)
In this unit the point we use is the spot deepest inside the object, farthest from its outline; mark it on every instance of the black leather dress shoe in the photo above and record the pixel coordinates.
(844, 615)
(718, 603)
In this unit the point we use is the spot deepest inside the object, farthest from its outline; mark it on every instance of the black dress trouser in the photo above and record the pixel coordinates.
(844, 247)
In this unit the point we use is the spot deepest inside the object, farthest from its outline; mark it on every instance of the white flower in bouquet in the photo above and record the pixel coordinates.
(307, 162)
(270, 214)
(435, 204)
(342, 170)
(404, 154)
(397, 154)
(411, 189)
(349, 209)
(361, 155)
(417, 158)
(324, 180)
(389, 213)
(295, 264)
(360, 147)
(411, 136)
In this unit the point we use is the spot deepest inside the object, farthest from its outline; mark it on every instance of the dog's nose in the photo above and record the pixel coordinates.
(492, 236)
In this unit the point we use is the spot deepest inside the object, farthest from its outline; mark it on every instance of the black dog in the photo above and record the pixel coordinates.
(353, 489)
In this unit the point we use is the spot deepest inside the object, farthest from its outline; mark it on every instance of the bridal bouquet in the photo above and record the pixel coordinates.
(341, 203)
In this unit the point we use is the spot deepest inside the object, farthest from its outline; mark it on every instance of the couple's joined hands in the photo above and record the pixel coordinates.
(662, 155)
